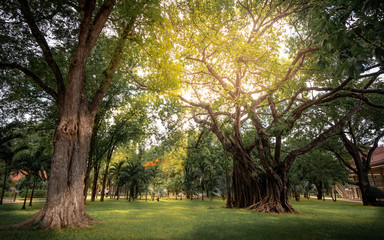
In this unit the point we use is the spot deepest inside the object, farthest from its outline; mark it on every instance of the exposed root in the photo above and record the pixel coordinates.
(274, 207)
(42, 221)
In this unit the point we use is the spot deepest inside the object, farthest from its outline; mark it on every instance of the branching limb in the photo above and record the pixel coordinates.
(293, 154)
(40, 39)
(33, 76)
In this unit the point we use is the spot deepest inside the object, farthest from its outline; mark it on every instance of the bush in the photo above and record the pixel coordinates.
(375, 192)
(37, 194)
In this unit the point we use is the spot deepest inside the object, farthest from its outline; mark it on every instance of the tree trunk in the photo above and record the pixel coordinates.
(246, 189)
(64, 206)
(333, 194)
(105, 176)
(96, 170)
(25, 200)
(227, 179)
(297, 196)
(87, 177)
(306, 195)
(276, 196)
(4, 182)
(319, 187)
(33, 191)
(117, 193)
(364, 188)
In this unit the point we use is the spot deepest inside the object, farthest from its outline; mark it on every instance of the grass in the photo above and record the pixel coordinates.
(171, 219)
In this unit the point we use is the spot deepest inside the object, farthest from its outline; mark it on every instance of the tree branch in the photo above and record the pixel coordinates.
(40, 39)
(33, 76)
(109, 72)
(293, 154)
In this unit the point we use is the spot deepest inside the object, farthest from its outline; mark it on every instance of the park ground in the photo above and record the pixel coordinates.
(186, 219)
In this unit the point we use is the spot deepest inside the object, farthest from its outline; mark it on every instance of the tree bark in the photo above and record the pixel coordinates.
(227, 185)
(275, 197)
(246, 189)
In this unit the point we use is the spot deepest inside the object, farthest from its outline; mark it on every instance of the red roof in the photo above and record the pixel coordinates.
(378, 156)
(17, 176)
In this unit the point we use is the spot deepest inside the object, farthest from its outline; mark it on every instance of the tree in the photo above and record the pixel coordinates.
(318, 168)
(115, 174)
(8, 151)
(358, 140)
(34, 39)
(133, 174)
(237, 76)
(33, 165)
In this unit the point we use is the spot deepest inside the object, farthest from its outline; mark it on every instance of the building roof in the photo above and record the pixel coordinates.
(377, 157)
(17, 176)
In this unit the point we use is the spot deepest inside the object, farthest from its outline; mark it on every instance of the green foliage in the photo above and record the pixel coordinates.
(37, 194)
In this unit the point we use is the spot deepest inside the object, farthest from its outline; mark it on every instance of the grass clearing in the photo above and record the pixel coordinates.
(171, 219)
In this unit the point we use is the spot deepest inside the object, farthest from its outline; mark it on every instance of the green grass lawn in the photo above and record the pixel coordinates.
(171, 219)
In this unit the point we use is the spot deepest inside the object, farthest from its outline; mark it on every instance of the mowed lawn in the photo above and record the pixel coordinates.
(171, 219)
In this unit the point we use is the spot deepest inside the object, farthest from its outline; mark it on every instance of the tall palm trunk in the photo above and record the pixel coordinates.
(33, 191)
(25, 199)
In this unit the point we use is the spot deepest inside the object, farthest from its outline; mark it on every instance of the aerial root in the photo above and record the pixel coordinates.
(271, 208)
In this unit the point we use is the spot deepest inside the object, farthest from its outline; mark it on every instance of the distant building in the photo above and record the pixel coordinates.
(15, 177)
(376, 177)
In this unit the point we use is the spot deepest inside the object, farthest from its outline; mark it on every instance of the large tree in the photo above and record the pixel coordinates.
(355, 144)
(238, 74)
(61, 35)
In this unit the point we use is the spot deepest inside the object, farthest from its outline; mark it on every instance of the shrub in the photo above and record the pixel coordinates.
(37, 194)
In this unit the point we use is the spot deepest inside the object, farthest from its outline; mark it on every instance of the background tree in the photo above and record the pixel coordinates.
(236, 73)
(319, 168)
(8, 151)
(75, 30)
(35, 165)
(355, 144)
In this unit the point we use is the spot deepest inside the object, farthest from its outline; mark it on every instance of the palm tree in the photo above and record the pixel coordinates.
(34, 166)
(132, 175)
(8, 151)
(115, 174)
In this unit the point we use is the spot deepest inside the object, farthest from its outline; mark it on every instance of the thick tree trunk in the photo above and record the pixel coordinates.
(246, 189)
(276, 196)
(64, 206)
